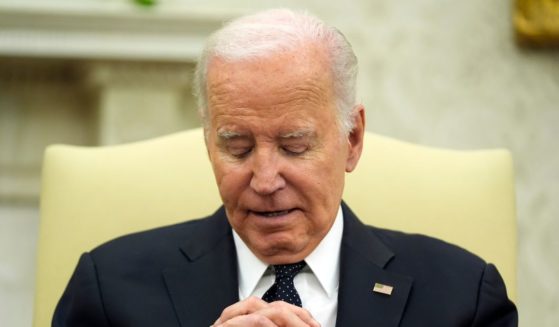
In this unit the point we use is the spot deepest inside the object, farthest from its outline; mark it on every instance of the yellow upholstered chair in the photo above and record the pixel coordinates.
(91, 195)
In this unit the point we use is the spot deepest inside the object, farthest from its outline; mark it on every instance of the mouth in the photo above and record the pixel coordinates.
(272, 214)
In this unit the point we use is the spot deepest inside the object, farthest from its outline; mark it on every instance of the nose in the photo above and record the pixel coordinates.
(266, 175)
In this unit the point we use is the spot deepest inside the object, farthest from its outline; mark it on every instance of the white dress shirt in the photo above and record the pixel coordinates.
(317, 284)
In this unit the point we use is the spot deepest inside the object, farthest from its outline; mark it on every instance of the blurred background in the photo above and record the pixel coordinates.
(442, 73)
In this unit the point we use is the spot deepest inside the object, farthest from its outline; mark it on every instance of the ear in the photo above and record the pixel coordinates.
(205, 130)
(355, 138)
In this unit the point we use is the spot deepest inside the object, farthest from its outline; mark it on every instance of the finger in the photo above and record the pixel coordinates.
(250, 320)
(244, 307)
(284, 314)
(302, 313)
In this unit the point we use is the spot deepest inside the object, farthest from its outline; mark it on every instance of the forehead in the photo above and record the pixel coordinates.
(298, 77)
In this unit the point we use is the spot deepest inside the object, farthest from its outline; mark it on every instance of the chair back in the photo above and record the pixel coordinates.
(90, 195)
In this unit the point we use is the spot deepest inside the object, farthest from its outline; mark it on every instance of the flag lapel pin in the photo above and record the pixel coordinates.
(383, 289)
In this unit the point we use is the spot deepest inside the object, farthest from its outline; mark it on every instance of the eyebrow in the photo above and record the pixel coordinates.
(297, 134)
(228, 135)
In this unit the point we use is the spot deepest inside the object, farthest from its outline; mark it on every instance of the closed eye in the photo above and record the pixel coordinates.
(294, 150)
(235, 145)
(239, 152)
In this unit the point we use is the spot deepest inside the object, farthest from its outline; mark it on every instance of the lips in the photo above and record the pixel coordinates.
(272, 214)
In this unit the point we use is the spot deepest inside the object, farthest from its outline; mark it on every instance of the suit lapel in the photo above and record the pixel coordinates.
(207, 282)
(363, 259)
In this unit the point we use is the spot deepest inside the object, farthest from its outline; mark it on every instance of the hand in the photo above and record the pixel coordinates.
(257, 313)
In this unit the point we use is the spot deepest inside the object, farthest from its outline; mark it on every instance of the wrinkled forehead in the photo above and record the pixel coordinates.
(273, 77)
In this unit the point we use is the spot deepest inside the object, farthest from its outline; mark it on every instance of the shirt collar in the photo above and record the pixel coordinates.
(323, 261)
(250, 268)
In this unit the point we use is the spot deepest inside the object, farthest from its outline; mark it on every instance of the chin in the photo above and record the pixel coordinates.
(281, 252)
(283, 258)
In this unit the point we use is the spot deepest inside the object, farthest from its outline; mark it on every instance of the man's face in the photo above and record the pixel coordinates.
(277, 152)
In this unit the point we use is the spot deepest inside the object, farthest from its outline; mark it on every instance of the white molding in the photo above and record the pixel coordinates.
(19, 185)
(133, 74)
(104, 34)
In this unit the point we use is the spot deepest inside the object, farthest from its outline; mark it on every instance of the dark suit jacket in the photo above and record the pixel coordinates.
(186, 274)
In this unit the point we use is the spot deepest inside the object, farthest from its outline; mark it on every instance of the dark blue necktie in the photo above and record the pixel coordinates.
(283, 288)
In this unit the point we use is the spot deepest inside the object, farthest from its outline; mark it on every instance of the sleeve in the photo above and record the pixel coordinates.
(494, 309)
(81, 304)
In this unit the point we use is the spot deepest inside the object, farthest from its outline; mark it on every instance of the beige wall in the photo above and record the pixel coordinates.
(437, 72)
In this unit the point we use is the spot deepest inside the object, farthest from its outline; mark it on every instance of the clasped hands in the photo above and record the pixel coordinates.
(255, 312)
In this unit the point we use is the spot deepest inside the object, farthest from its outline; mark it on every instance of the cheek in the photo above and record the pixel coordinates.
(320, 184)
(230, 181)
(324, 173)
(324, 182)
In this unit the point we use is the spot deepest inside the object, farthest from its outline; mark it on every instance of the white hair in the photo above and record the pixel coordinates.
(266, 33)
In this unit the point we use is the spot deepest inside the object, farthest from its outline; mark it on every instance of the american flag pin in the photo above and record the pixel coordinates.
(383, 289)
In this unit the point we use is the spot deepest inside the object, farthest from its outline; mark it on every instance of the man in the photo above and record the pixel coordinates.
(277, 98)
